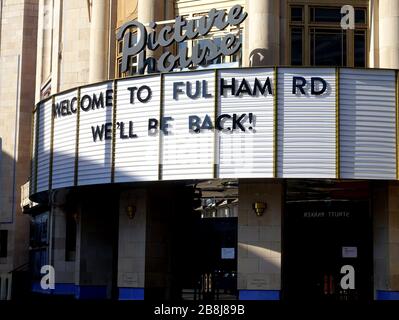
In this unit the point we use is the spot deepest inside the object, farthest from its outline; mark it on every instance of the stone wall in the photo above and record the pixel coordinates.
(259, 238)
(17, 82)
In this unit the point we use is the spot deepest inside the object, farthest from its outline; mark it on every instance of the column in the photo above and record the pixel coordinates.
(132, 244)
(259, 241)
(99, 33)
(263, 32)
(96, 245)
(386, 240)
(389, 33)
(151, 11)
(63, 261)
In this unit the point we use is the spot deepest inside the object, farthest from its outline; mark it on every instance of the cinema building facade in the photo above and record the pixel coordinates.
(266, 171)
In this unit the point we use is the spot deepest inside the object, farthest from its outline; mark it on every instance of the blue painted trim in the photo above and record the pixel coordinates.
(387, 295)
(64, 289)
(36, 288)
(80, 292)
(90, 292)
(60, 288)
(131, 293)
(259, 295)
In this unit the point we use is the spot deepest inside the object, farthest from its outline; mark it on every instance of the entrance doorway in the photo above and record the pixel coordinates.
(206, 251)
(327, 244)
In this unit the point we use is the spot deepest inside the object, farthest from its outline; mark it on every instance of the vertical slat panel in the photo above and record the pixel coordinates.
(43, 142)
(94, 157)
(367, 124)
(65, 129)
(306, 126)
(32, 182)
(250, 153)
(136, 159)
(185, 154)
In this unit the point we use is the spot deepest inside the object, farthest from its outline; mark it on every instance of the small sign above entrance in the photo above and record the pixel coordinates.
(228, 253)
(349, 252)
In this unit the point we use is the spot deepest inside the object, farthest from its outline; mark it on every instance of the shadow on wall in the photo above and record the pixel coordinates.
(91, 173)
(94, 208)
(9, 191)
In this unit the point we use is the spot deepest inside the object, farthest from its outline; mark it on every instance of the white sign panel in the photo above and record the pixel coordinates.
(43, 144)
(367, 124)
(188, 141)
(246, 151)
(64, 145)
(306, 123)
(137, 148)
(95, 134)
(33, 155)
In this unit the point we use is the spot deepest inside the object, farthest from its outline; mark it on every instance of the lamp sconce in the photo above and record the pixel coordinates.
(76, 217)
(259, 208)
(131, 211)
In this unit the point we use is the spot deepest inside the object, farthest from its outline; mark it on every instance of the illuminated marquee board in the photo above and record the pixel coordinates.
(227, 123)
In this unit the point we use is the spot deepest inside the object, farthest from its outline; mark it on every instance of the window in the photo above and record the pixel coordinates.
(317, 39)
(3, 243)
(296, 46)
(45, 91)
(297, 14)
(327, 47)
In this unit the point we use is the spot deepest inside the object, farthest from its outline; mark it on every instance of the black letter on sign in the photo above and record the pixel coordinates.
(220, 119)
(109, 97)
(237, 122)
(177, 90)
(323, 89)
(152, 126)
(121, 126)
(132, 89)
(131, 134)
(97, 132)
(231, 86)
(73, 101)
(98, 102)
(261, 89)
(149, 94)
(82, 103)
(57, 110)
(207, 124)
(194, 123)
(108, 131)
(300, 86)
(165, 125)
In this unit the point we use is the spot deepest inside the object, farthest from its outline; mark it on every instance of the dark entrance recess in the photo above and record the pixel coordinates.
(187, 227)
(327, 225)
(212, 277)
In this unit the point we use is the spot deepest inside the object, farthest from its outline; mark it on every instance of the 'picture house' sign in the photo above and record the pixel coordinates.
(227, 123)
(181, 30)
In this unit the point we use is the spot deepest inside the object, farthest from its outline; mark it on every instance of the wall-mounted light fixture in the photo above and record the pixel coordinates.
(76, 217)
(131, 211)
(259, 208)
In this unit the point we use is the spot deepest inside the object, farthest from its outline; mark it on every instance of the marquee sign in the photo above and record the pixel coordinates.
(181, 30)
(228, 123)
